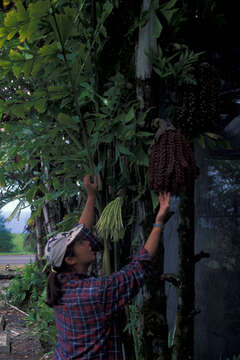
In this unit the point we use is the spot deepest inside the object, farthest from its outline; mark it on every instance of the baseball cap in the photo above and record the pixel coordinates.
(57, 245)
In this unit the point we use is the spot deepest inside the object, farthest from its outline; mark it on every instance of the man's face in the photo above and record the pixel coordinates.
(83, 252)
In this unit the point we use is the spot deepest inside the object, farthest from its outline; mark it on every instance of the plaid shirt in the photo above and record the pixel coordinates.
(85, 317)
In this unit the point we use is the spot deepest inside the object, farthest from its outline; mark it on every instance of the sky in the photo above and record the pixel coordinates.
(15, 226)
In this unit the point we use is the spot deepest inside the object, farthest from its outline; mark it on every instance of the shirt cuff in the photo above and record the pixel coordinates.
(143, 254)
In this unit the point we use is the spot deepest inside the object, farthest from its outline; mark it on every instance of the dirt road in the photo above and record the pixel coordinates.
(16, 259)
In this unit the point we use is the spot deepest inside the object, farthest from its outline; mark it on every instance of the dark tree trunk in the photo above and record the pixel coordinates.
(155, 313)
(154, 308)
(184, 336)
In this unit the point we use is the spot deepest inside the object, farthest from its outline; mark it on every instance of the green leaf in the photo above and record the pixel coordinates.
(130, 115)
(40, 93)
(2, 179)
(17, 70)
(32, 33)
(155, 200)
(168, 14)
(141, 156)
(107, 9)
(11, 19)
(143, 134)
(157, 27)
(123, 150)
(23, 32)
(128, 132)
(49, 50)
(15, 55)
(56, 183)
(212, 144)
(40, 105)
(37, 66)
(201, 141)
(169, 5)
(213, 136)
(66, 101)
(154, 4)
(3, 32)
(57, 92)
(22, 14)
(6, 64)
(65, 26)
(39, 9)
(18, 110)
(225, 144)
(142, 116)
(27, 56)
(27, 67)
(15, 212)
(40, 206)
(107, 139)
(2, 41)
(30, 194)
(11, 34)
(67, 121)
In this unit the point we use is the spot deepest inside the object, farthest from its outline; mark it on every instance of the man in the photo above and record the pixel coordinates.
(84, 306)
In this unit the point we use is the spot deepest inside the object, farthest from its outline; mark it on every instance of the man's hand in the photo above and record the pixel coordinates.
(88, 214)
(164, 199)
(154, 238)
(90, 187)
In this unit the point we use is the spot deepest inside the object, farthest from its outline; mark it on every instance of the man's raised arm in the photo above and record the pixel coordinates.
(88, 215)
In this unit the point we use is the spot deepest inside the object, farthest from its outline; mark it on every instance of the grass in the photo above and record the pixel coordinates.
(25, 252)
(18, 246)
(12, 267)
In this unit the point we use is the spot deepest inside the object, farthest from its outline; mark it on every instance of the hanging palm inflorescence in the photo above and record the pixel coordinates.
(172, 165)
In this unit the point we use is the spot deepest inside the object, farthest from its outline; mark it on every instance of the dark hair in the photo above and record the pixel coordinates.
(54, 292)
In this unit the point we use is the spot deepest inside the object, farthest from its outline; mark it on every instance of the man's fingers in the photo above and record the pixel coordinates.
(164, 199)
(165, 195)
(87, 179)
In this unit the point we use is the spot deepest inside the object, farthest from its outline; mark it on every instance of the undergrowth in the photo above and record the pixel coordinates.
(28, 292)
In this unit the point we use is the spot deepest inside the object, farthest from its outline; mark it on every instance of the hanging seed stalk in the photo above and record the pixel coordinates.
(110, 227)
(110, 224)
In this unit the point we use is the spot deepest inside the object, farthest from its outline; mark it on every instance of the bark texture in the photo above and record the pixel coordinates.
(39, 240)
(184, 337)
(153, 301)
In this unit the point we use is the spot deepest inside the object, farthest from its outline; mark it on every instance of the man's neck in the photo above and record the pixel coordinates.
(81, 268)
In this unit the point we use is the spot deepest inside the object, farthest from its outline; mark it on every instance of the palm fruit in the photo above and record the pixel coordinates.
(172, 165)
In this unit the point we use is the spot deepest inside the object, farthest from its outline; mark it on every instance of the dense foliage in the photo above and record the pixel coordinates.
(62, 121)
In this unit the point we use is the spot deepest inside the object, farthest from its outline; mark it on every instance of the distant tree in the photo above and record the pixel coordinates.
(5, 236)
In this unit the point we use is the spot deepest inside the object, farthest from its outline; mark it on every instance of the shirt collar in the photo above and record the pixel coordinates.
(68, 276)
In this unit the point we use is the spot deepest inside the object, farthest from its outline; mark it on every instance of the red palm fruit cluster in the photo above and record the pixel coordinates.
(172, 165)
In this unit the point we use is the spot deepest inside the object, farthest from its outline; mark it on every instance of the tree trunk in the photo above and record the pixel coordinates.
(39, 240)
(146, 44)
(184, 337)
(154, 308)
(49, 207)
(50, 216)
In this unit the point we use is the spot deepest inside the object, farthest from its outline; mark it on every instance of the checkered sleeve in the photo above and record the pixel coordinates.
(96, 244)
(120, 287)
